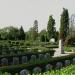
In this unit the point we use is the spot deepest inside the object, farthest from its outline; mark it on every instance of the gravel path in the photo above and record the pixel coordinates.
(58, 53)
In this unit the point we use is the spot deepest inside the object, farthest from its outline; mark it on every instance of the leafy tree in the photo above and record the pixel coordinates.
(21, 34)
(29, 34)
(43, 36)
(51, 28)
(13, 33)
(56, 36)
(70, 40)
(9, 33)
(64, 24)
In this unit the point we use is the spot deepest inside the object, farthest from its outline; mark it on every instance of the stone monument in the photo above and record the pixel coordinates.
(61, 46)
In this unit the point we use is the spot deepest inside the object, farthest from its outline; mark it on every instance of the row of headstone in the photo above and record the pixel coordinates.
(48, 67)
(24, 59)
(4, 61)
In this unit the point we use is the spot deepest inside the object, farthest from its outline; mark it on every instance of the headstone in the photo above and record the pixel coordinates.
(47, 56)
(48, 67)
(4, 61)
(52, 40)
(15, 60)
(67, 62)
(73, 61)
(33, 58)
(36, 70)
(24, 59)
(59, 65)
(41, 57)
(24, 72)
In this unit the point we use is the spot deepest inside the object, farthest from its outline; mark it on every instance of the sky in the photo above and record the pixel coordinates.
(24, 12)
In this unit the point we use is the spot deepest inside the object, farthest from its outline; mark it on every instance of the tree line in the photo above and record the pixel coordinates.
(13, 33)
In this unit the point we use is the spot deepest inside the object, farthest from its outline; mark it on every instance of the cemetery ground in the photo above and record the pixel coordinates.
(48, 52)
(24, 58)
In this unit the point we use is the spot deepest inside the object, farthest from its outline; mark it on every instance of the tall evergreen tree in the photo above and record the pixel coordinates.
(64, 24)
(51, 28)
(36, 26)
(35, 30)
(64, 28)
(21, 34)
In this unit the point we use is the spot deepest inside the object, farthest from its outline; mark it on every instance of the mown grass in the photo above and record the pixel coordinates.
(69, 70)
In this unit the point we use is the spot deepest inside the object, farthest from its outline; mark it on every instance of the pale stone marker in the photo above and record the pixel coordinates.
(61, 46)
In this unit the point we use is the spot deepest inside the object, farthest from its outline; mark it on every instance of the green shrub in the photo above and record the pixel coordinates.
(17, 43)
(68, 49)
(28, 43)
(52, 46)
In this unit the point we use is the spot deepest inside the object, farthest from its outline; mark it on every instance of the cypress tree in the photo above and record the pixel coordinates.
(21, 34)
(64, 24)
(51, 28)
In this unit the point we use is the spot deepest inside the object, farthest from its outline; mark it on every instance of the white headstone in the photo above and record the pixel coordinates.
(52, 40)
(61, 46)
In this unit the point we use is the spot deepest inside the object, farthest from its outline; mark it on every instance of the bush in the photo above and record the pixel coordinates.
(28, 43)
(17, 43)
(34, 49)
(68, 49)
(52, 46)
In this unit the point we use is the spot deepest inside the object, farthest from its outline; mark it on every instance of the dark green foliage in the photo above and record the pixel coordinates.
(51, 28)
(21, 34)
(36, 26)
(64, 24)
(9, 33)
(32, 34)
(12, 33)
(43, 36)
(56, 36)
(70, 39)
(52, 46)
